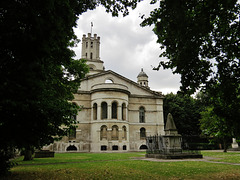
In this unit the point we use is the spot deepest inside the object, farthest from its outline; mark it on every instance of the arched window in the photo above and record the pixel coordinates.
(114, 110)
(124, 129)
(141, 115)
(86, 55)
(91, 55)
(71, 148)
(109, 81)
(104, 110)
(74, 116)
(103, 133)
(92, 66)
(143, 147)
(124, 111)
(124, 147)
(72, 133)
(115, 132)
(95, 111)
(142, 133)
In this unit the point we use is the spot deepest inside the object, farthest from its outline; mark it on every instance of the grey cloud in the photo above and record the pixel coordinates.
(126, 47)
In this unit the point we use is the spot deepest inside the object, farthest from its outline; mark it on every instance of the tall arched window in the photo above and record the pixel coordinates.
(141, 115)
(114, 110)
(124, 129)
(104, 110)
(95, 111)
(72, 133)
(103, 133)
(142, 133)
(124, 111)
(114, 132)
(91, 55)
(74, 117)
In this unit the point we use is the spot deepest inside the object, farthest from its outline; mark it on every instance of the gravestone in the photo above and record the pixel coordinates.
(235, 146)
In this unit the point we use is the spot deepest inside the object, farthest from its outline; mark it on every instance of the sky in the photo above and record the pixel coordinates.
(126, 47)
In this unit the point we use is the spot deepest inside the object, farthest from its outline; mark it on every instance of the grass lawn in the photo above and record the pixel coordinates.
(230, 157)
(81, 157)
(123, 166)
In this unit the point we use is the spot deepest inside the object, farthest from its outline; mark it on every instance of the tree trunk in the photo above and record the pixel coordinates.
(28, 154)
(224, 145)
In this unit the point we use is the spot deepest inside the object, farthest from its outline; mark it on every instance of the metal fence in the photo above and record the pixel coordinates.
(156, 145)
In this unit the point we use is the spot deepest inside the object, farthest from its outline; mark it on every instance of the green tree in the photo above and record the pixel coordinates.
(38, 75)
(215, 127)
(201, 41)
(186, 114)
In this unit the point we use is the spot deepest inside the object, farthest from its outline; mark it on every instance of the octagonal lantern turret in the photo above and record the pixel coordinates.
(143, 78)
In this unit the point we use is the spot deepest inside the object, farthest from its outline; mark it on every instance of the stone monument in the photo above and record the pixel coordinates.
(168, 146)
(235, 146)
(171, 138)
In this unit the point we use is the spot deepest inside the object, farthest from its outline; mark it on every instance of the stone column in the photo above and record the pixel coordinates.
(126, 111)
(109, 134)
(99, 112)
(119, 112)
(109, 112)
(91, 113)
(120, 135)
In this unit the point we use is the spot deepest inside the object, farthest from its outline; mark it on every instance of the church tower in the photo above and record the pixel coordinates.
(90, 52)
(142, 79)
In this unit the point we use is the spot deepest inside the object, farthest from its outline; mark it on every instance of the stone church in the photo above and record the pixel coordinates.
(117, 113)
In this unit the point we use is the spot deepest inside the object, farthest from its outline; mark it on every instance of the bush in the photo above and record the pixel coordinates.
(203, 146)
(6, 153)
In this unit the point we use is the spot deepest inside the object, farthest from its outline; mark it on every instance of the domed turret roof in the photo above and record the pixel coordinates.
(142, 74)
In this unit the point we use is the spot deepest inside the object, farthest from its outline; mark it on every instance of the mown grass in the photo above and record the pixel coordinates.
(230, 157)
(122, 166)
(79, 157)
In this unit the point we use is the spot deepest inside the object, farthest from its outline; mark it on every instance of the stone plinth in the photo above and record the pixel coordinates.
(175, 156)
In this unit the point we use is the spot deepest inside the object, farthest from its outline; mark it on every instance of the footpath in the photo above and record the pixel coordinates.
(204, 159)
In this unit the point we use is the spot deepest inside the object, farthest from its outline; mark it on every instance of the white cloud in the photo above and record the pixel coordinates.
(126, 47)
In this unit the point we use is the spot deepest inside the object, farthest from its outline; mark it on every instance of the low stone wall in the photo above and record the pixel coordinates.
(44, 154)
